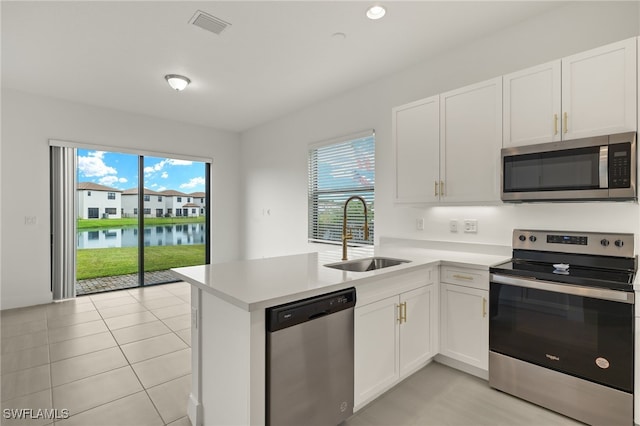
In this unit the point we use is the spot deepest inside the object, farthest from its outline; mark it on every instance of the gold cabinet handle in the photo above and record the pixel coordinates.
(555, 124)
(565, 123)
(484, 307)
(441, 188)
(462, 277)
(435, 188)
(402, 312)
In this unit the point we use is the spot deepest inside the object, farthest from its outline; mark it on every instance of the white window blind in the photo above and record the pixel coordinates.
(338, 171)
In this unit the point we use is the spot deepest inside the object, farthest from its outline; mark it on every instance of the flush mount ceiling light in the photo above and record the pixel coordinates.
(376, 12)
(177, 82)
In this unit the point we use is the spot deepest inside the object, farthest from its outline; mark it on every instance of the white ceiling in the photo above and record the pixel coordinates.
(275, 58)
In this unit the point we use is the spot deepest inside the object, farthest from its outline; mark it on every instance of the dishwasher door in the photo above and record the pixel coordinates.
(310, 372)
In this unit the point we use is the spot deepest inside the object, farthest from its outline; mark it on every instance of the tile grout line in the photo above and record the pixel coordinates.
(51, 363)
(147, 389)
(93, 375)
(129, 364)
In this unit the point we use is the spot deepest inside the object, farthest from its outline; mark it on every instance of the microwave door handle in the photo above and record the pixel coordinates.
(604, 166)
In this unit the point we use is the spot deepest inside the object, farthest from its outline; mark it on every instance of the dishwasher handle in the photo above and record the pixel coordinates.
(301, 311)
(318, 315)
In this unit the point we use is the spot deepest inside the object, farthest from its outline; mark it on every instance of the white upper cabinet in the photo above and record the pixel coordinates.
(588, 94)
(447, 147)
(531, 105)
(416, 136)
(599, 91)
(470, 142)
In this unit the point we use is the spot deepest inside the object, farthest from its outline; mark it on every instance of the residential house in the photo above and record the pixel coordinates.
(173, 201)
(200, 198)
(180, 204)
(98, 201)
(153, 203)
(191, 210)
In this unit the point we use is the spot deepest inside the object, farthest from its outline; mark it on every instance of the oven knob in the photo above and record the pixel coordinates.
(522, 238)
(604, 242)
(532, 238)
(619, 243)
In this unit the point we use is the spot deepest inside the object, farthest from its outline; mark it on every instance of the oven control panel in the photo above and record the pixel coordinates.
(596, 243)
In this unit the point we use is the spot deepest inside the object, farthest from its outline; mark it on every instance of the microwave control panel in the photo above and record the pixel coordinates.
(620, 165)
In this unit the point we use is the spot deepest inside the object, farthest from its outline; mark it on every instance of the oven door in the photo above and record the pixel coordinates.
(584, 332)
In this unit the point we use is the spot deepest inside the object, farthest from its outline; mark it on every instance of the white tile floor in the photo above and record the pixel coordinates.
(119, 358)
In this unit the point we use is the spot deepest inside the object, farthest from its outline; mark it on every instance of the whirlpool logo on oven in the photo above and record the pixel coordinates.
(602, 363)
(552, 357)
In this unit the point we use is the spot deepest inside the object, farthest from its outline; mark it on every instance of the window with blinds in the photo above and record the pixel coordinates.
(337, 171)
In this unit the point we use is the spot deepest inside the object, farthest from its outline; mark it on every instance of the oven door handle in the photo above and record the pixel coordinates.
(595, 293)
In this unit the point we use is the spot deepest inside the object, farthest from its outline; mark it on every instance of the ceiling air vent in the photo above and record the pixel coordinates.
(208, 22)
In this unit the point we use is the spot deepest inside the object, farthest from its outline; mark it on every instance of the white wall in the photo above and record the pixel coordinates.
(29, 121)
(274, 154)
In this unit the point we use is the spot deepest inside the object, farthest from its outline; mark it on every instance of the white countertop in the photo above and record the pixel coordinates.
(261, 283)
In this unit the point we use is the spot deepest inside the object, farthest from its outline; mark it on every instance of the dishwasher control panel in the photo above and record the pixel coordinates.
(294, 313)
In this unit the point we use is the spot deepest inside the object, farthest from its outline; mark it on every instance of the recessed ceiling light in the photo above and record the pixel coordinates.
(177, 82)
(338, 36)
(376, 12)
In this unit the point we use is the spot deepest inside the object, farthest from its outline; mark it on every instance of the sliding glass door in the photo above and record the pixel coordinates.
(175, 216)
(107, 249)
(136, 217)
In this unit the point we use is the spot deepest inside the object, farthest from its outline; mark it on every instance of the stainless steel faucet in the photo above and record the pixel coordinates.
(347, 236)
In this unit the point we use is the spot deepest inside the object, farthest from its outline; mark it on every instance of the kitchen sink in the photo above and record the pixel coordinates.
(366, 264)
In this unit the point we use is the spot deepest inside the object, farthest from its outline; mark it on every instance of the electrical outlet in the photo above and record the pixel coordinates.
(30, 220)
(420, 224)
(453, 225)
(471, 226)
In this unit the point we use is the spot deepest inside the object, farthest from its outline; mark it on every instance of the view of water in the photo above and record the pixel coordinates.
(163, 235)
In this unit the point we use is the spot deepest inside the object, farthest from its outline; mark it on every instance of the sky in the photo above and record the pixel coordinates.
(120, 171)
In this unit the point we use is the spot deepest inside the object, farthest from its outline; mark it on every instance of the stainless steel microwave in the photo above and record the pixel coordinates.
(596, 168)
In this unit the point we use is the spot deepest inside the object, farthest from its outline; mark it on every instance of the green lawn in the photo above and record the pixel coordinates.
(133, 221)
(94, 263)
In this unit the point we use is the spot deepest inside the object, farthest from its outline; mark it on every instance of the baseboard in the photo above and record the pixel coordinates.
(194, 411)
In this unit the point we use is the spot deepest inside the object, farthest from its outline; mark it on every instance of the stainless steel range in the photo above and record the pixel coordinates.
(561, 323)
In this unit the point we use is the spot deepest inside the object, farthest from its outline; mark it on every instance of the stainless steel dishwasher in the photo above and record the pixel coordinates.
(310, 361)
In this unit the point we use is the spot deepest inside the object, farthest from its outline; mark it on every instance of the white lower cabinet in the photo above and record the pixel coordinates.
(417, 329)
(464, 324)
(394, 337)
(404, 322)
(377, 337)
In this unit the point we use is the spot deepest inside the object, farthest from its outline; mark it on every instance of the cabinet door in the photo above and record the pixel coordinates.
(531, 105)
(376, 348)
(416, 330)
(599, 91)
(465, 325)
(416, 137)
(470, 141)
